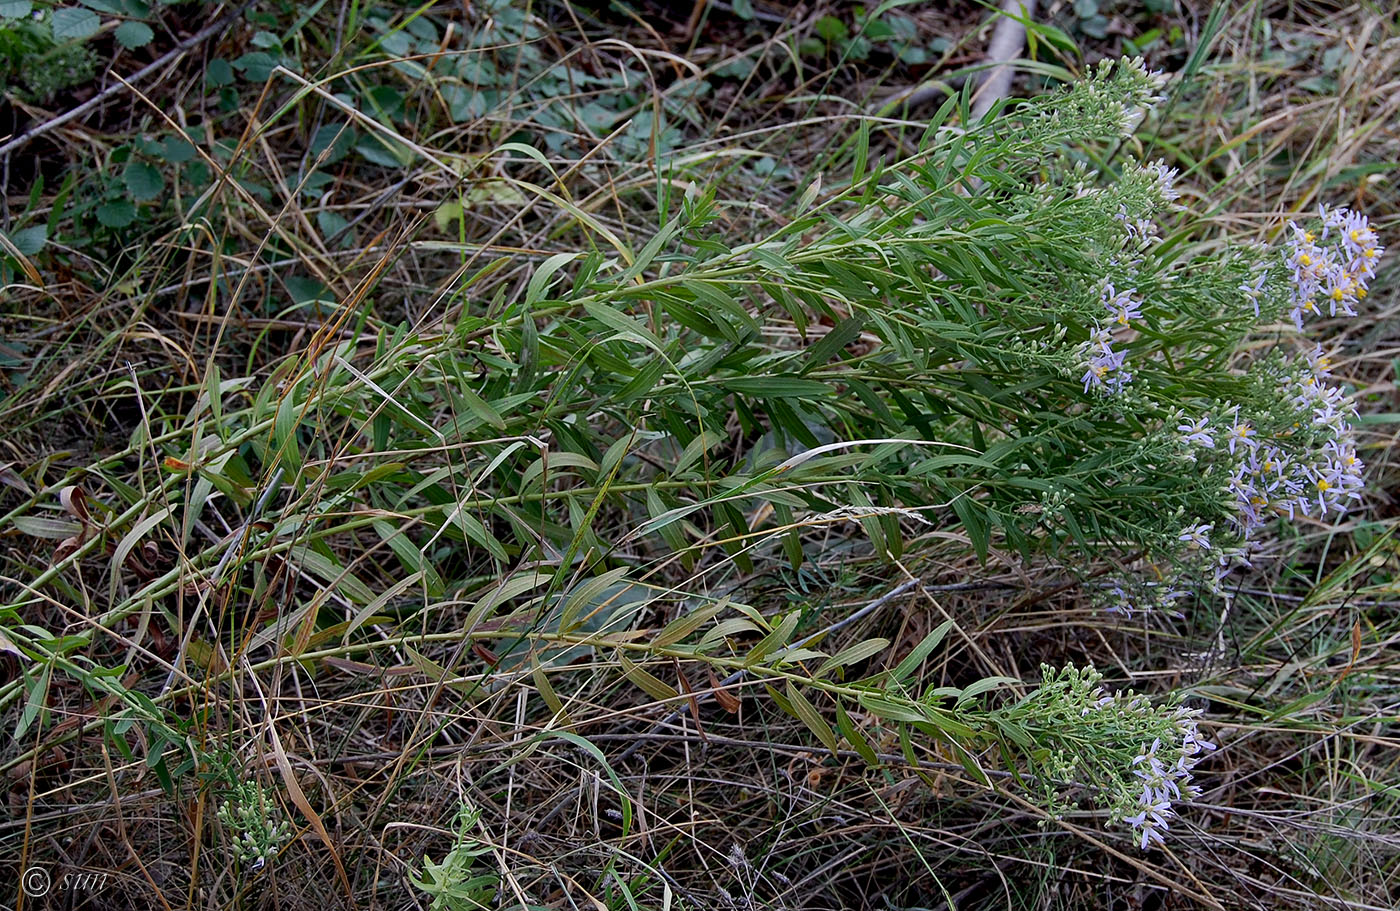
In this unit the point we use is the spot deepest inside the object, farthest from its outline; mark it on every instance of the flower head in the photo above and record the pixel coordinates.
(1196, 536)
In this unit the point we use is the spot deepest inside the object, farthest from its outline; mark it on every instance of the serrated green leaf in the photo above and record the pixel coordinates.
(116, 214)
(143, 181)
(31, 240)
(133, 34)
(72, 24)
(218, 73)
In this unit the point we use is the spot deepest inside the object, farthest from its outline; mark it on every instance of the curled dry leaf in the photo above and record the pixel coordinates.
(727, 700)
(67, 547)
(74, 500)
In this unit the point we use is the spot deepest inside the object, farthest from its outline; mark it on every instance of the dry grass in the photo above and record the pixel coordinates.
(372, 745)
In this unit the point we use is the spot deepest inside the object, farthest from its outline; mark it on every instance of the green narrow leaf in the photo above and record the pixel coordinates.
(778, 387)
(852, 735)
(36, 700)
(624, 325)
(481, 408)
(649, 683)
(862, 151)
(775, 640)
(686, 624)
(723, 629)
(624, 798)
(653, 246)
(832, 344)
(911, 662)
(583, 596)
(982, 686)
(975, 524)
(669, 530)
(127, 543)
(808, 715)
(333, 574)
(46, 528)
(888, 709)
(540, 280)
(546, 691)
(284, 436)
(853, 655)
(410, 556)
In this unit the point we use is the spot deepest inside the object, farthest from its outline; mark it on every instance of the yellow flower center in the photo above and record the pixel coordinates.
(1323, 485)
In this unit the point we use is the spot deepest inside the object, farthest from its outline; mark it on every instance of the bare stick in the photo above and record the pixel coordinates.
(1007, 41)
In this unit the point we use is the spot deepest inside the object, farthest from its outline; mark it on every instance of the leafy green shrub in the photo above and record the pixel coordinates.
(989, 338)
(44, 46)
(43, 55)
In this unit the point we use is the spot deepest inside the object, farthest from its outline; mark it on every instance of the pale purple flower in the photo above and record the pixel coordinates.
(1120, 305)
(1197, 432)
(1242, 433)
(1196, 536)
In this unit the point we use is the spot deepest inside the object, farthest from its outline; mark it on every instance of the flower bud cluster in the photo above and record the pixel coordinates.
(1139, 758)
(252, 817)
